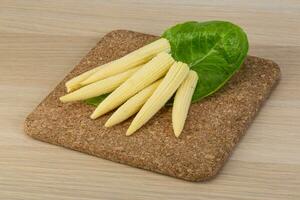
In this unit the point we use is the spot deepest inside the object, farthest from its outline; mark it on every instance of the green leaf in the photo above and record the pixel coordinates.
(214, 49)
(95, 101)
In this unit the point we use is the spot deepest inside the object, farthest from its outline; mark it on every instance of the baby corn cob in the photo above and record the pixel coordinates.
(161, 95)
(150, 72)
(182, 102)
(132, 105)
(135, 58)
(100, 87)
(74, 83)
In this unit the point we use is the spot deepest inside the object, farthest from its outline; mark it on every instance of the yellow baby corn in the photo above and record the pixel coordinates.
(161, 95)
(74, 83)
(150, 72)
(132, 59)
(100, 87)
(132, 105)
(182, 102)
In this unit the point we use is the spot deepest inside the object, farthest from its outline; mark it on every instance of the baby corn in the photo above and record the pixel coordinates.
(161, 95)
(182, 102)
(100, 87)
(150, 72)
(132, 105)
(132, 59)
(74, 83)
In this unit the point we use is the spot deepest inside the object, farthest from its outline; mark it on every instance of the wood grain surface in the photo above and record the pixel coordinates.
(40, 41)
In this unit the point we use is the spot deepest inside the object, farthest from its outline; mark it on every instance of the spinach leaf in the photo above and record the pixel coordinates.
(214, 49)
(95, 101)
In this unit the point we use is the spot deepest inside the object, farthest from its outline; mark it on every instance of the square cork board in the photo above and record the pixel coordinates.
(213, 127)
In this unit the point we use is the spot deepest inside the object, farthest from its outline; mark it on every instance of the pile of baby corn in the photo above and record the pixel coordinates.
(141, 82)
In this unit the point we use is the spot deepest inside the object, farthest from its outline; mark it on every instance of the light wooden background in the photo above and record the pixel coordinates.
(40, 41)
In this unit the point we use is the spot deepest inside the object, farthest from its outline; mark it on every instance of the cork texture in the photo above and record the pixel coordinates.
(213, 127)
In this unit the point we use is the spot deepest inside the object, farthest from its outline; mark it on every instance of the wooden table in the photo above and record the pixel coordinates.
(40, 41)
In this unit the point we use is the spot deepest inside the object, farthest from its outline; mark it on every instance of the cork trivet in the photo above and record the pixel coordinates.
(213, 127)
